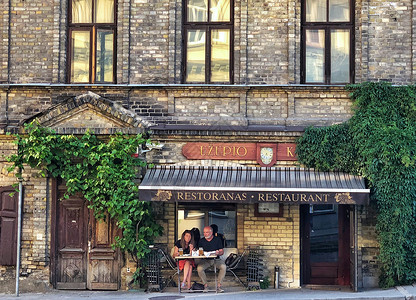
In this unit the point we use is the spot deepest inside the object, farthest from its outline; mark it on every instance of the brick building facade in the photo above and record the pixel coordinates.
(278, 79)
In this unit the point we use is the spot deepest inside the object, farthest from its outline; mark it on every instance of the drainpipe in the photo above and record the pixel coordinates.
(59, 42)
(355, 248)
(19, 231)
(47, 255)
(293, 248)
(129, 62)
(9, 38)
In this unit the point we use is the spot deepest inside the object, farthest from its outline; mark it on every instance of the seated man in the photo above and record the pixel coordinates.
(211, 243)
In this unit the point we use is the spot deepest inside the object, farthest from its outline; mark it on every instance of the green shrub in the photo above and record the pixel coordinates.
(378, 142)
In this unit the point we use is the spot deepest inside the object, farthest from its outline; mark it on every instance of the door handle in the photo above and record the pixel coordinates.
(89, 246)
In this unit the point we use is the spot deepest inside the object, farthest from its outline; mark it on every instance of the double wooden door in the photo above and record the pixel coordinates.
(325, 232)
(83, 256)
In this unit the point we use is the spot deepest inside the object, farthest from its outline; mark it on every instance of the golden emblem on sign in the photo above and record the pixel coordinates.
(162, 196)
(343, 198)
(266, 155)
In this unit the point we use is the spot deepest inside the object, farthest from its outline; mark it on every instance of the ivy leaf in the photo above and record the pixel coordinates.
(104, 171)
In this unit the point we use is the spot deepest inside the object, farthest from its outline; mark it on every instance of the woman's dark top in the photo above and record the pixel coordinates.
(185, 250)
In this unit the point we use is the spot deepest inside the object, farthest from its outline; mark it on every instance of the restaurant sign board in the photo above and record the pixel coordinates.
(265, 153)
(290, 197)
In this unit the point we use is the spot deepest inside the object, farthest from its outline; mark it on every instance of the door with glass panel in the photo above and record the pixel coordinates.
(325, 252)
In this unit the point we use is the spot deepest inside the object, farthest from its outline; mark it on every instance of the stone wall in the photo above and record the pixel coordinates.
(267, 94)
(197, 106)
(213, 107)
(278, 240)
(35, 243)
(149, 50)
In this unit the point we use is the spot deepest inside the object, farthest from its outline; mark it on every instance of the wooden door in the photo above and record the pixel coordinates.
(103, 260)
(325, 244)
(8, 226)
(72, 244)
(83, 256)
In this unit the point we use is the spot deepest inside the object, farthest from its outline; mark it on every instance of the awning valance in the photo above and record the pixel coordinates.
(251, 185)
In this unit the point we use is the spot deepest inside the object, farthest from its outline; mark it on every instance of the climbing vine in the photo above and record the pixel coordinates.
(104, 171)
(378, 142)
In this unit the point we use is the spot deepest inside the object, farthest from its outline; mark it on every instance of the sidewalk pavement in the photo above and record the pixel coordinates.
(397, 293)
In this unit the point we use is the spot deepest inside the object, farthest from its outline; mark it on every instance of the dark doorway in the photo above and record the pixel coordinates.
(83, 257)
(325, 238)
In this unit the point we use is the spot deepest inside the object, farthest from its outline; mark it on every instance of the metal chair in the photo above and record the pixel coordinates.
(234, 265)
(171, 264)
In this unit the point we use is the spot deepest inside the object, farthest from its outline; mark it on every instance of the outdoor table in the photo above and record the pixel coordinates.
(196, 257)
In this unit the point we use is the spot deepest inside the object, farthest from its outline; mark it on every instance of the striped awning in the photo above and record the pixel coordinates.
(251, 185)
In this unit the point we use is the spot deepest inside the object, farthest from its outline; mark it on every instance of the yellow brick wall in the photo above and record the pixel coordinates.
(278, 239)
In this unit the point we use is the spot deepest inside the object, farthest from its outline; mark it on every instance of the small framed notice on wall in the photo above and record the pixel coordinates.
(268, 209)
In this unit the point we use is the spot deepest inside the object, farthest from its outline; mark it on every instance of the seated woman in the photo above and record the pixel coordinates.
(187, 244)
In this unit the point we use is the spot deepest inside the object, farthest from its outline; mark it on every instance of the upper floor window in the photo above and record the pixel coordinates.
(92, 30)
(208, 41)
(327, 41)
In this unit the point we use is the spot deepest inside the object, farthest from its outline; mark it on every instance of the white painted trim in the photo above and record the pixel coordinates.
(251, 189)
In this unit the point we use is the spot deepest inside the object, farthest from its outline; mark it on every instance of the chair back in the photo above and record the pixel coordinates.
(234, 264)
(227, 252)
(169, 259)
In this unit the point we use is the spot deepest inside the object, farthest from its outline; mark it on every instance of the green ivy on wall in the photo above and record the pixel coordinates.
(104, 171)
(378, 142)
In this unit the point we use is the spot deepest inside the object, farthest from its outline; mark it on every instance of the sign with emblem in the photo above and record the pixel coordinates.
(269, 198)
(266, 154)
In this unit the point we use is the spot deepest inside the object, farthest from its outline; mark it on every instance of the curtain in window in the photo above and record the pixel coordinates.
(340, 56)
(80, 60)
(220, 10)
(81, 11)
(220, 55)
(195, 54)
(339, 10)
(104, 11)
(315, 55)
(315, 10)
